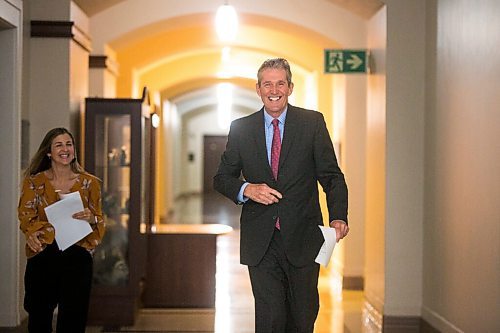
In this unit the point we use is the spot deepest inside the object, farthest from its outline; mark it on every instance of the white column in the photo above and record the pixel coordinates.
(395, 168)
(103, 74)
(59, 48)
(10, 151)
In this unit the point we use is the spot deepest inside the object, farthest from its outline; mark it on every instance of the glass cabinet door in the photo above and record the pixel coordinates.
(118, 150)
(112, 166)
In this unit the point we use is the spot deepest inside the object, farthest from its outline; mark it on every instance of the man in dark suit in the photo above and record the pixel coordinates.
(281, 162)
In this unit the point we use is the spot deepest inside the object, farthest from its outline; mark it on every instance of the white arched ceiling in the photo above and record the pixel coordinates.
(153, 38)
(136, 18)
(240, 66)
(272, 28)
(363, 8)
(243, 99)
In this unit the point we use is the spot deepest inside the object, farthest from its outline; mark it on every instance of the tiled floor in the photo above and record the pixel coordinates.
(340, 311)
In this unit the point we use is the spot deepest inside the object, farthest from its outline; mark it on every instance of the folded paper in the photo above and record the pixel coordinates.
(68, 230)
(326, 250)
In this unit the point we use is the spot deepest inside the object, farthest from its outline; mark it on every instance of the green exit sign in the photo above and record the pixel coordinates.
(346, 61)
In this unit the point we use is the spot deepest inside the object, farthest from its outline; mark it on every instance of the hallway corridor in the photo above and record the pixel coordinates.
(340, 311)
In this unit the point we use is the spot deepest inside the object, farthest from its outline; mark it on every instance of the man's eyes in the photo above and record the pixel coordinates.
(279, 84)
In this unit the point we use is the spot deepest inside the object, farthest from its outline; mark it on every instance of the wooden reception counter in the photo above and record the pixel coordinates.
(182, 265)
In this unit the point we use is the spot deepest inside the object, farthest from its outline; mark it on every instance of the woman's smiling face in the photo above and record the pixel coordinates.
(274, 90)
(62, 150)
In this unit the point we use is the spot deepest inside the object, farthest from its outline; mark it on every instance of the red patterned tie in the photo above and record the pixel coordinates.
(275, 155)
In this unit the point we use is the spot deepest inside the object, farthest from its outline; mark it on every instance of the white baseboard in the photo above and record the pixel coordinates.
(439, 322)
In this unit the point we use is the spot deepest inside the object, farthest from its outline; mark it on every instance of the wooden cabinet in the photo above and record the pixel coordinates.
(119, 148)
(181, 274)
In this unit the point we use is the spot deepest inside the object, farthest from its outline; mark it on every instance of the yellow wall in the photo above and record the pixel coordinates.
(186, 55)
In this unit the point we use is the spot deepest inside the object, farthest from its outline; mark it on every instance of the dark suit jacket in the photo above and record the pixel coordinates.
(307, 156)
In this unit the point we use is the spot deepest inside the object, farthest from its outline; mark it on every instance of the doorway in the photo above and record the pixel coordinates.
(213, 147)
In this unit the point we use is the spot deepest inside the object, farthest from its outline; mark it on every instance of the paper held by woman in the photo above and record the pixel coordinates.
(68, 230)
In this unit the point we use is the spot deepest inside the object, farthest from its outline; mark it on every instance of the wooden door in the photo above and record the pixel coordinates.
(213, 147)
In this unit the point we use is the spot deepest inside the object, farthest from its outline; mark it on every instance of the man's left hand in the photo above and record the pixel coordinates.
(341, 228)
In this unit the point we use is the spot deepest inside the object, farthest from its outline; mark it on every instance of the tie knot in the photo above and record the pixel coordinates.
(275, 122)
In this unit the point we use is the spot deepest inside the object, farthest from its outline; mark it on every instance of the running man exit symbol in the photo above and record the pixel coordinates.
(346, 61)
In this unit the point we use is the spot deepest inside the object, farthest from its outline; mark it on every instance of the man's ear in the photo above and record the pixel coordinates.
(257, 89)
(290, 90)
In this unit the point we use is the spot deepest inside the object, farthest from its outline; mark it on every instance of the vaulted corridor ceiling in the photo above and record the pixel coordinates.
(363, 8)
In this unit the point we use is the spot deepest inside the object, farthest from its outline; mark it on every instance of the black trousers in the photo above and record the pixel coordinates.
(62, 279)
(286, 297)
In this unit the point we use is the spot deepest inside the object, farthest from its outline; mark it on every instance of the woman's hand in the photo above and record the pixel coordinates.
(86, 215)
(34, 242)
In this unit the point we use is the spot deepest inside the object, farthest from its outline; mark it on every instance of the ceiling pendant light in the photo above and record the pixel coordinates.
(226, 23)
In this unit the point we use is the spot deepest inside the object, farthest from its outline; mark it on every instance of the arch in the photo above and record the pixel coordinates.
(172, 48)
(133, 18)
(257, 37)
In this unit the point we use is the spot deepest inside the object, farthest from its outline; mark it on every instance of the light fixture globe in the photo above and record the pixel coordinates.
(226, 23)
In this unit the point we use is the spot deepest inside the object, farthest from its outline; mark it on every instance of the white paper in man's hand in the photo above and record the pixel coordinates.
(68, 230)
(326, 250)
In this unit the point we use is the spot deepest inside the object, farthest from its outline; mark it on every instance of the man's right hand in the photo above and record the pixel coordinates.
(262, 193)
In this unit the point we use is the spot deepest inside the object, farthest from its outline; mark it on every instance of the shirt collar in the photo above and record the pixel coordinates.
(268, 119)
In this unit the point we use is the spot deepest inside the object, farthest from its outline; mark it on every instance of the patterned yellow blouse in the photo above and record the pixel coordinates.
(38, 193)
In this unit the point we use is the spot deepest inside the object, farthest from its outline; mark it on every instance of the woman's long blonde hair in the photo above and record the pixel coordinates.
(41, 161)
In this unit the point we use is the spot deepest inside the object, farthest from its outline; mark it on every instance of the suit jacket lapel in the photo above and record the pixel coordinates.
(291, 127)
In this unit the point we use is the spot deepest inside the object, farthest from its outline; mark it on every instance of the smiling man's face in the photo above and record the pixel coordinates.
(274, 90)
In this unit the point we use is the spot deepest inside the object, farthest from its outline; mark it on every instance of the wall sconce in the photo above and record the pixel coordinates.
(155, 120)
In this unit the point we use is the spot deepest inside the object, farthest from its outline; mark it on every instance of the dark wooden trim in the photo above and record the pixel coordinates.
(119, 310)
(25, 143)
(401, 324)
(425, 327)
(53, 29)
(98, 61)
(60, 29)
(103, 62)
(112, 100)
(181, 275)
(394, 324)
(407, 324)
(353, 283)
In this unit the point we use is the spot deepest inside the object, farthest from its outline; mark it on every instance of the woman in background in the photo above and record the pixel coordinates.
(56, 278)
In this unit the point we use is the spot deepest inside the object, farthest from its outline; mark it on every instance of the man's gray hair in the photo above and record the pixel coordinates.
(275, 63)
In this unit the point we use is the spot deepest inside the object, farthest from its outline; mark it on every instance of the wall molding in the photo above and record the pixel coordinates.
(407, 324)
(375, 321)
(60, 29)
(438, 322)
(401, 324)
(52, 29)
(103, 62)
(353, 283)
(428, 328)
(98, 61)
